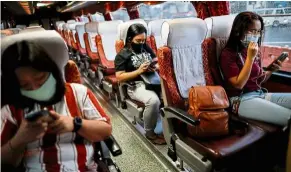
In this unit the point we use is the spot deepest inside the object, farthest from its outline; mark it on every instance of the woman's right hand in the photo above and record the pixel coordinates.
(31, 131)
(143, 67)
(253, 49)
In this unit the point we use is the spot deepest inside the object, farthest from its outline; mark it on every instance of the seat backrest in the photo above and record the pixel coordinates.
(108, 33)
(80, 29)
(60, 26)
(72, 28)
(72, 73)
(57, 24)
(97, 17)
(50, 40)
(92, 30)
(84, 18)
(180, 59)
(155, 33)
(122, 32)
(219, 29)
(71, 21)
(32, 29)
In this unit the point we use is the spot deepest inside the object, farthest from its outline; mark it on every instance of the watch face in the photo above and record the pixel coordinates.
(78, 120)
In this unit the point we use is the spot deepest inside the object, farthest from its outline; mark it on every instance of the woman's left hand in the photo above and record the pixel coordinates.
(62, 124)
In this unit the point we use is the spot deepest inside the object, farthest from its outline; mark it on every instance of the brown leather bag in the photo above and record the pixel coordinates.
(208, 104)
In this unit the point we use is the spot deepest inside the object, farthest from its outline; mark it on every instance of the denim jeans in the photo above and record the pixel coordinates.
(273, 108)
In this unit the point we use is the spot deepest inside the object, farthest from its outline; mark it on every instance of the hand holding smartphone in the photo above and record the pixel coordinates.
(33, 116)
(281, 59)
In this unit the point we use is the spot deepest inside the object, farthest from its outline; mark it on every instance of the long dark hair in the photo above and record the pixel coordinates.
(27, 54)
(133, 30)
(240, 26)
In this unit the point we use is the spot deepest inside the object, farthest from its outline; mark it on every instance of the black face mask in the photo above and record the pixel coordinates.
(137, 47)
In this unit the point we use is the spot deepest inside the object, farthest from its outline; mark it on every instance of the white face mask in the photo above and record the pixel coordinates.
(250, 38)
(43, 93)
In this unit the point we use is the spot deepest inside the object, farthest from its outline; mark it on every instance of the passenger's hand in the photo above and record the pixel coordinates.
(253, 49)
(31, 131)
(154, 68)
(143, 67)
(62, 124)
(276, 66)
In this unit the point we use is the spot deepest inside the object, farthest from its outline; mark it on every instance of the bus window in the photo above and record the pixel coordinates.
(120, 14)
(166, 10)
(277, 21)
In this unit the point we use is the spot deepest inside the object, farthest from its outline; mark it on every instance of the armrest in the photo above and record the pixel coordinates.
(113, 146)
(181, 115)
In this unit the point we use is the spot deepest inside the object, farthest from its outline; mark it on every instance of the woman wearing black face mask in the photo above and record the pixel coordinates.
(133, 60)
(241, 66)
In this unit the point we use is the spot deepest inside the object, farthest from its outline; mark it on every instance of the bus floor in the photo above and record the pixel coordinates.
(138, 155)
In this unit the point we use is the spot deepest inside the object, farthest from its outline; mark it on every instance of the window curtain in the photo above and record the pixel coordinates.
(211, 8)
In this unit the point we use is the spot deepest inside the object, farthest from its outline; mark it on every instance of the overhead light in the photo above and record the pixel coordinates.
(43, 4)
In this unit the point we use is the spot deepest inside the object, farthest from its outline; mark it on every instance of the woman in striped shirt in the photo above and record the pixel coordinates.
(60, 141)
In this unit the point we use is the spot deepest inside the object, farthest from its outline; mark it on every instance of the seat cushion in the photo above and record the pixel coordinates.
(223, 147)
(111, 79)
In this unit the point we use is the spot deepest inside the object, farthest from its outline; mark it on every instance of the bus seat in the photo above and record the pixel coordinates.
(72, 35)
(66, 30)
(154, 32)
(105, 40)
(57, 24)
(71, 21)
(72, 73)
(60, 29)
(97, 17)
(80, 30)
(84, 18)
(219, 28)
(32, 29)
(91, 31)
(21, 26)
(181, 68)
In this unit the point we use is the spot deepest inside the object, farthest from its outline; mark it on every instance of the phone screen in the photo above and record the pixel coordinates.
(35, 115)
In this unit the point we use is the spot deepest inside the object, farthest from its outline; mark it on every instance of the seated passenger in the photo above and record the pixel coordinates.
(241, 65)
(133, 60)
(64, 138)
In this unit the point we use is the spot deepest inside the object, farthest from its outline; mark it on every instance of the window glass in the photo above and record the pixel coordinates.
(120, 14)
(277, 28)
(166, 10)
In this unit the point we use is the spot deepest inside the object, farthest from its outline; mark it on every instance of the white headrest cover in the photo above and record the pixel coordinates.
(15, 30)
(51, 41)
(21, 26)
(59, 22)
(91, 27)
(186, 31)
(97, 17)
(122, 31)
(60, 26)
(84, 19)
(184, 37)
(108, 31)
(32, 29)
(219, 26)
(71, 21)
(155, 27)
(72, 26)
(80, 28)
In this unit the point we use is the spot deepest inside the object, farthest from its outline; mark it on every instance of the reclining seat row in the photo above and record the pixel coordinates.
(57, 26)
(105, 41)
(81, 54)
(181, 67)
(154, 34)
(219, 29)
(66, 30)
(133, 107)
(72, 35)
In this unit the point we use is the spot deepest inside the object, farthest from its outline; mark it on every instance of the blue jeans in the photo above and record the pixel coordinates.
(273, 108)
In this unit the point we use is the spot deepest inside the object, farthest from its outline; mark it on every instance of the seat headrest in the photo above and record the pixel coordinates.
(21, 26)
(71, 21)
(109, 27)
(32, 29)
(97, 17)
(219, 26)
(59, 22)
(155, 27)
(60, 26)
(123, 27)
(15, 30)
(91, 27)
(72, 26)
(84, 19)
(50, 40)
(183, 32)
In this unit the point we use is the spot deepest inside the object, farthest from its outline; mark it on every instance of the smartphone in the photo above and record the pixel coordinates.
(153, 63)
(281, 58)
(35, 115)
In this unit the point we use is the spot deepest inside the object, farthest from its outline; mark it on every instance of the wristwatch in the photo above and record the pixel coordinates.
(77, 124)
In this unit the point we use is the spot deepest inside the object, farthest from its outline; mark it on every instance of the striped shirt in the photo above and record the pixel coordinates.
(58, 152)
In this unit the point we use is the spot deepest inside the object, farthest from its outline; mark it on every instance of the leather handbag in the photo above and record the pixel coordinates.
(208, 104)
